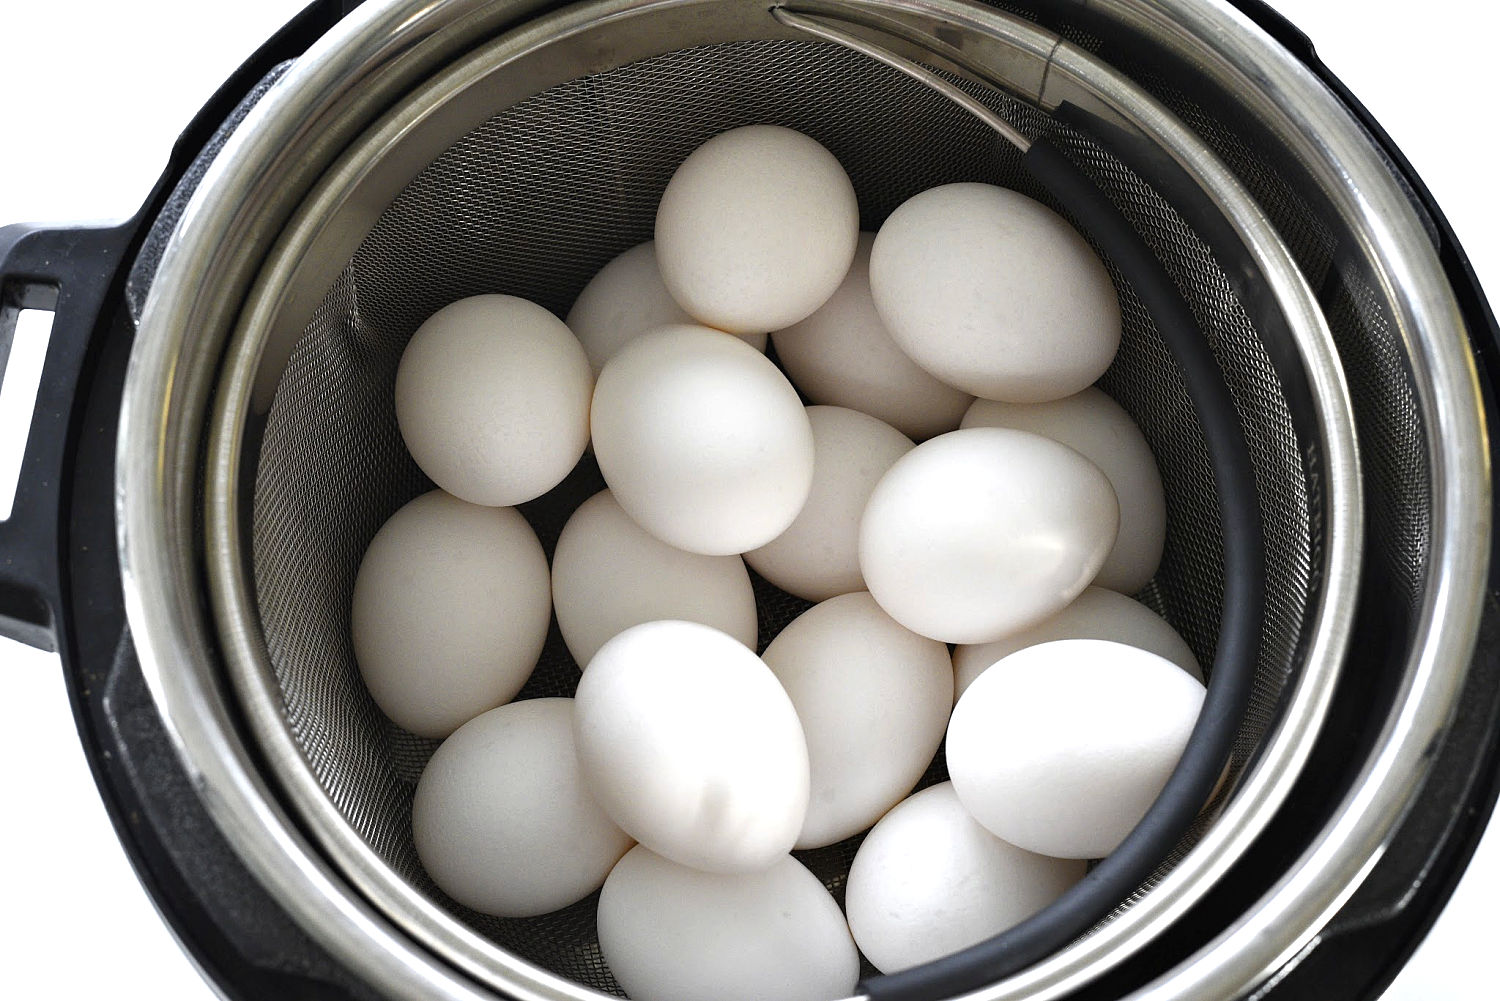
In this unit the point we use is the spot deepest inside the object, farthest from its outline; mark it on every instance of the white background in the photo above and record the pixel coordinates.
(95, 92)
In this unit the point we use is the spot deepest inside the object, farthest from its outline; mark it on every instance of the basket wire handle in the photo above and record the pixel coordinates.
(821, 28)
(1192, 783)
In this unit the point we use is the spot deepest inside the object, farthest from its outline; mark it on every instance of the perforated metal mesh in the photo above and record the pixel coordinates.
(532, 203)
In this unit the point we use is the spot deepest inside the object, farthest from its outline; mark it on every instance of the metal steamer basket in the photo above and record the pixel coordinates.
(365, 170)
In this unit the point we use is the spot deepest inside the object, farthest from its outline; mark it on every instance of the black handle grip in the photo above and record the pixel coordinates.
(1208, 747)
(70, 272)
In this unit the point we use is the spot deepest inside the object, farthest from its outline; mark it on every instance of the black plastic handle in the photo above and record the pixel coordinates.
(70, 272)
(1191, 784)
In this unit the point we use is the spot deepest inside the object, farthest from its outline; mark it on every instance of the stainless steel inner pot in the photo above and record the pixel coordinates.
(426, 151)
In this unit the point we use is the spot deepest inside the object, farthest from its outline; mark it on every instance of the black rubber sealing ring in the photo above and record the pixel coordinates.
(1191, 784)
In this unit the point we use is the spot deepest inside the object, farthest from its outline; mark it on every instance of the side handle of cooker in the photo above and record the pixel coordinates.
(68, 272)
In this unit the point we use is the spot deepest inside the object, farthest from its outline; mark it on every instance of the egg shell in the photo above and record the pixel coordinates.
(980, 533)
(1101, 431)
(702, 440)
(670, 933)
(450, 611)
(609, 574)
(817, 556)
(994, 293)
(691, 745)
(843, 355)
(873, 698)
(1061, 748)
(928, 881)
(492, 399)
(1096, 614)
(624, 300)
(756, 229)
(501, 819)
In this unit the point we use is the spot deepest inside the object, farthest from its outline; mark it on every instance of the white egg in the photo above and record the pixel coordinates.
(492, 398)
(451, 606)
(928, 882)
(979, 533)
(843, 355)
(501, 819)
(1062, 748)
(756, 229)
(873, 698)
(609, 574)
(1101, 431)
(702, 440)
(1096, 614)
(670, 933)
(692, 746)
(624, 300)
(817, 556)
(994, 293)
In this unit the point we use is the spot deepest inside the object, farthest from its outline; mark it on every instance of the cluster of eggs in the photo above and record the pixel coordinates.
(687, 768)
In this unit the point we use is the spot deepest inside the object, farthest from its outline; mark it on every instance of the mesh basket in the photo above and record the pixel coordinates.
(551, 185)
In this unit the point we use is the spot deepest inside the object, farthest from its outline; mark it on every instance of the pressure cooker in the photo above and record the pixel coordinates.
(213, 445)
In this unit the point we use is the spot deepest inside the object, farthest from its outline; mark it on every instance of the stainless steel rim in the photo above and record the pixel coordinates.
(386, 48)
(306, 238)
